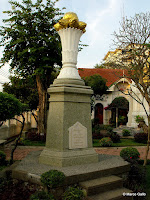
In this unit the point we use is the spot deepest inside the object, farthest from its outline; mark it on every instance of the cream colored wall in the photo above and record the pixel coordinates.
(12, 127)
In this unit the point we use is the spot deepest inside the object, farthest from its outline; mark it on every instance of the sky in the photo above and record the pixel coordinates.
(103, 17)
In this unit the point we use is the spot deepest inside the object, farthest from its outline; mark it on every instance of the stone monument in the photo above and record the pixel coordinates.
(69, 133)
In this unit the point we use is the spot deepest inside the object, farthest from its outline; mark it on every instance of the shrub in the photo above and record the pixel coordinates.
(41, 195)
(53, 179)
(130, 154)
(99, 131)
(96, 132)
(135, 179)
(2, 158)
(141, 162)
(121, 120)
(141, 137)
(105, 127)
(73, 193)
(34, 136)
(97, 135)
(95, 121)
(126, 132)
(109, 129)
(106, 142)
(139, 118)
(114, 137)
(3, 182)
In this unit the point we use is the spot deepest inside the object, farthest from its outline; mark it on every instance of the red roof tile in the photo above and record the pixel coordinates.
(111, 75)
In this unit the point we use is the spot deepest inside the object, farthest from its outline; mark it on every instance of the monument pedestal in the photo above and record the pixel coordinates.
(69, 133)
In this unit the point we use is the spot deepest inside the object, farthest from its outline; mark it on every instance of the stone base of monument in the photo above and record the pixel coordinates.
(69, 132)
(29, 169)
(102, 176)
(68, 158)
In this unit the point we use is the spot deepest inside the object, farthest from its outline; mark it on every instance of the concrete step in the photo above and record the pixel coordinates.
(102, 184)
(96, 170)
(116, 194)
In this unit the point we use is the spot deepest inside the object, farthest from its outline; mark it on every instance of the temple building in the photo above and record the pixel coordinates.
(105, 110)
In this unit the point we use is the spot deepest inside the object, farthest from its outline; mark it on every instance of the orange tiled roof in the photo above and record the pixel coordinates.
(111, 75)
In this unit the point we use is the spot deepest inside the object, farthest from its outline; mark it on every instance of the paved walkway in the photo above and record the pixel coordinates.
(22, 151)
(116, 151)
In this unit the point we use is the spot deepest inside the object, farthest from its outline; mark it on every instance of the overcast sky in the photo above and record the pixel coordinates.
(102, 18)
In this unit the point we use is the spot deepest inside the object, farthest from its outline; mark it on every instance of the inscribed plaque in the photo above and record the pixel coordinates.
(77, 136)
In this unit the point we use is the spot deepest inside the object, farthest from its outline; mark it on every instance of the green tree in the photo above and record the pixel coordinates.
(24, 89)
(133, 44)
(32, 46)
(99, 66)
(98, 85)
(9, 107)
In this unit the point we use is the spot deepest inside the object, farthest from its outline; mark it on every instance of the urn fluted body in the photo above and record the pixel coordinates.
(70, 38)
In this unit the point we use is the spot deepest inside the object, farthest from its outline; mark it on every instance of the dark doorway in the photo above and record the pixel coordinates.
(119, 111)
(99, 113)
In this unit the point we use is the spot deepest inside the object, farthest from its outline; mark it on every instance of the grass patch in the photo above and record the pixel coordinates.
(123, 143)
(33, 143)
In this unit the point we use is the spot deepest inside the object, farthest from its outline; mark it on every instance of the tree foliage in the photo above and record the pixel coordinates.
(99, 66)
(9, 107)
(119, 102)
(97, 83)
(32, 46)
(23, 89)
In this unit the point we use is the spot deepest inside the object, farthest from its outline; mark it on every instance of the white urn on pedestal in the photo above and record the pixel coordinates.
(69, 132)
(70, 38)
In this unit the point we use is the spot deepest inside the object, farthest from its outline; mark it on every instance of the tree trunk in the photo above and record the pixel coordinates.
(148, 142)
(42, 106)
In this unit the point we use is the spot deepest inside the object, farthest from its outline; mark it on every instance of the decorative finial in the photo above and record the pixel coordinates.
(70, 19)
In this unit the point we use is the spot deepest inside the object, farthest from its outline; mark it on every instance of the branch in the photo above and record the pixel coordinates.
(17, 140)
(138, 101)
(18, 120)
(1, 123)
(35, 117)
